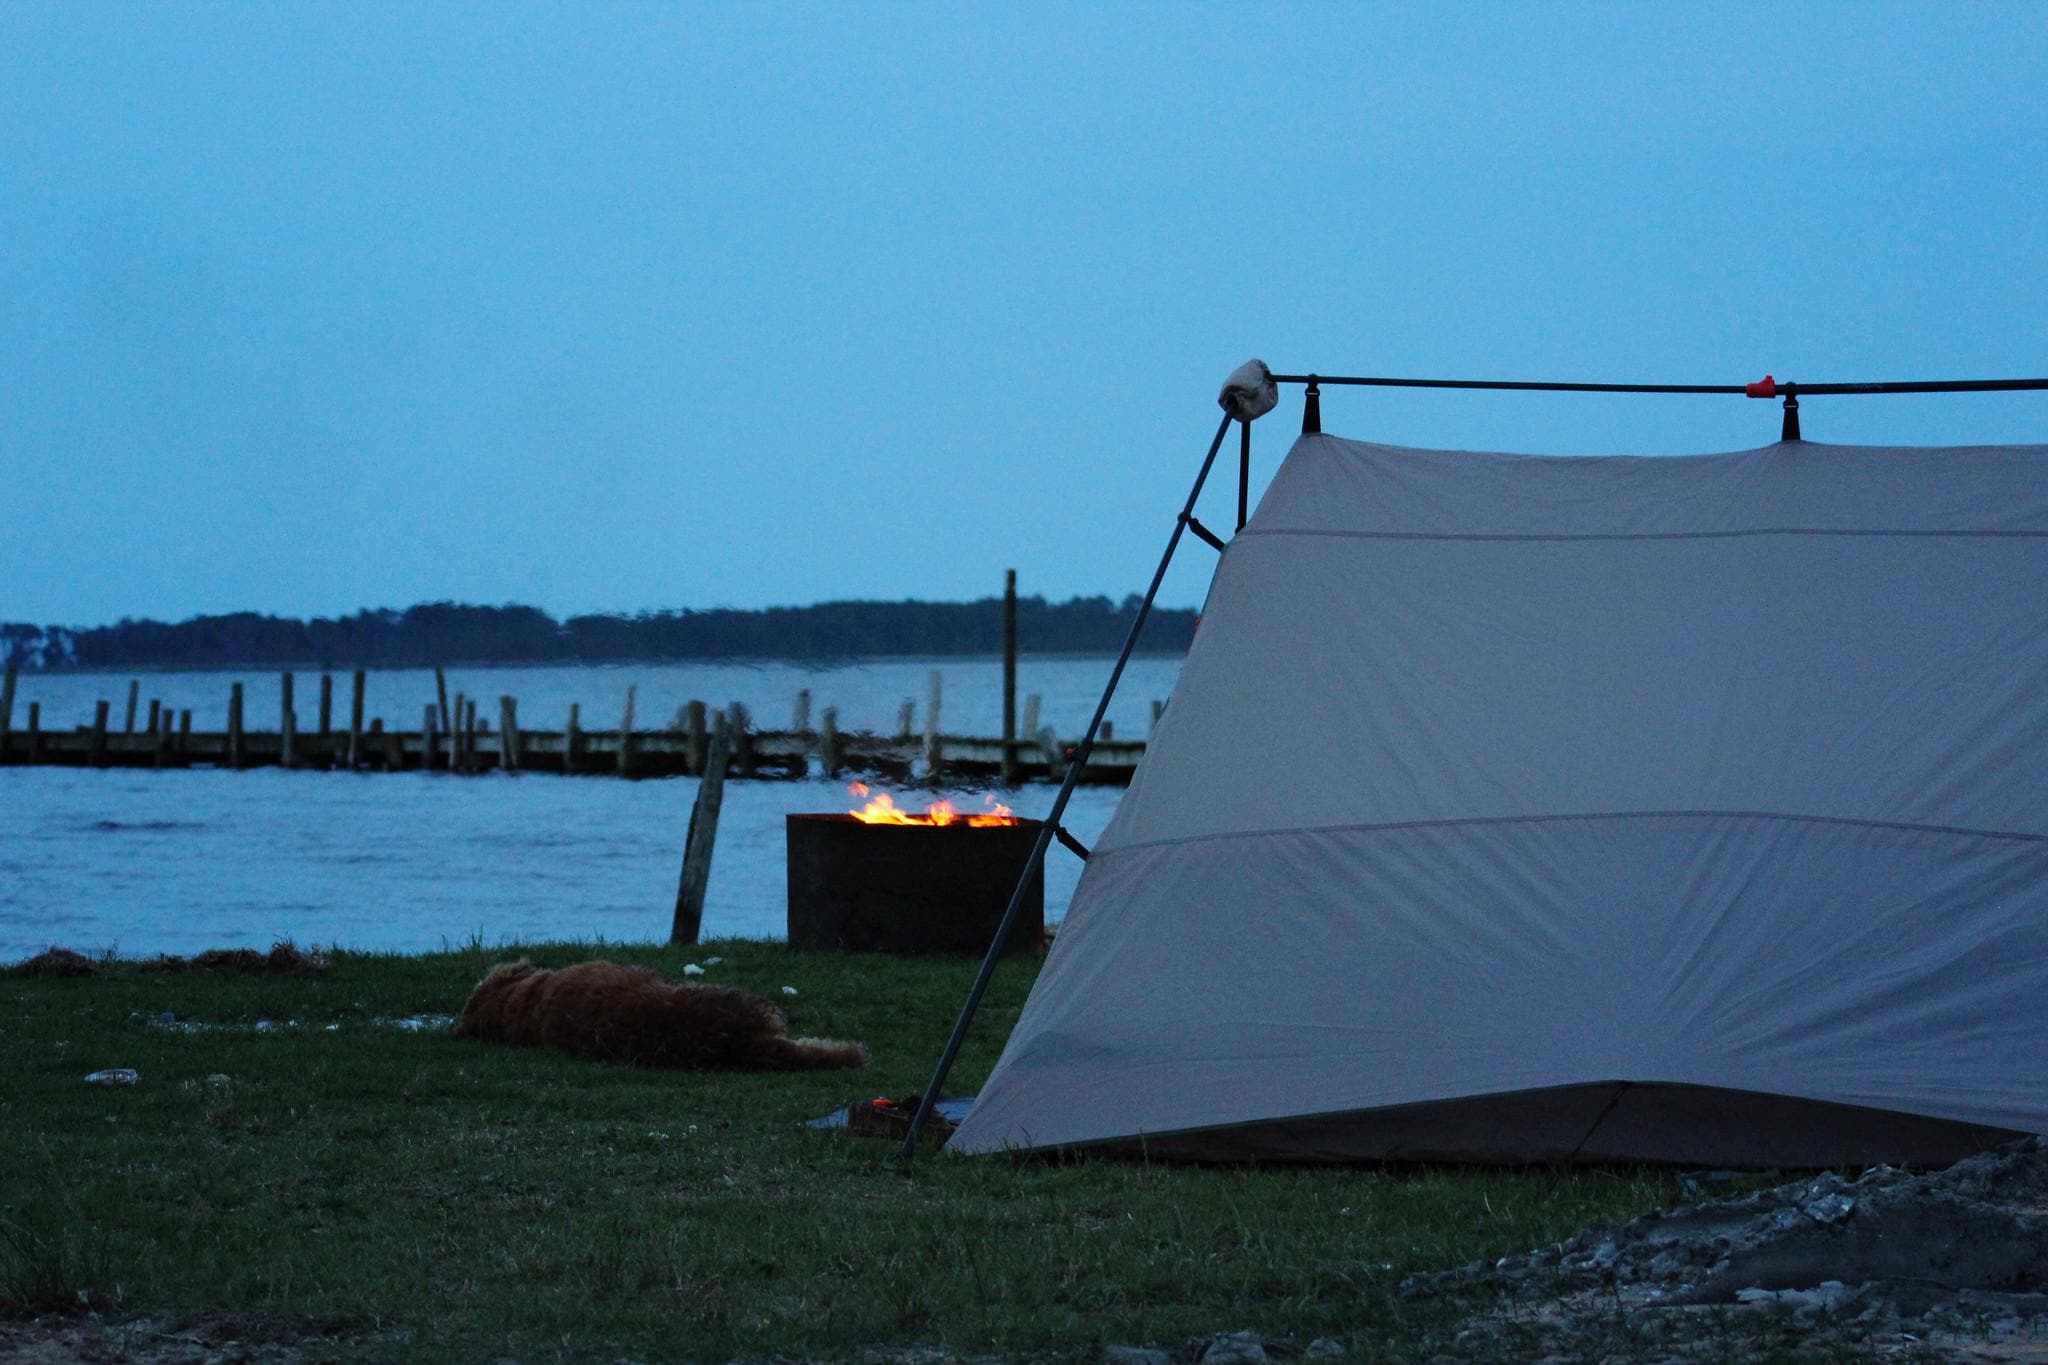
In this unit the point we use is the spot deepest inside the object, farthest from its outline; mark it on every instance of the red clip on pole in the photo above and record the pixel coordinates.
(1767, 387)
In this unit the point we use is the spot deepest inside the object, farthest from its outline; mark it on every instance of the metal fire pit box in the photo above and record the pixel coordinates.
(885, 888)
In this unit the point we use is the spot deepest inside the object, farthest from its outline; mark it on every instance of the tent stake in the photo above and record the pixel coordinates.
(1051, 824)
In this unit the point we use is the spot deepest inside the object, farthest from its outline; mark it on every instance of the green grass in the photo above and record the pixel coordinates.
(419, 1197)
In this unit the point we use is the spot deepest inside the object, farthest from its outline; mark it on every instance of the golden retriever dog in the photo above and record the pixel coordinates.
(618, 1013)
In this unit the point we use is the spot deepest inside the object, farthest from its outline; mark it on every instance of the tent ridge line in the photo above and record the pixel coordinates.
(1386, 826)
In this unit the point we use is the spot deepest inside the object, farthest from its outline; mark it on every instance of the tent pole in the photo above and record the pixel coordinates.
(1244, 470)
(1059, 806)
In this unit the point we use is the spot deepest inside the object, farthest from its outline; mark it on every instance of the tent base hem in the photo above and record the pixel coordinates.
(1604, 1122)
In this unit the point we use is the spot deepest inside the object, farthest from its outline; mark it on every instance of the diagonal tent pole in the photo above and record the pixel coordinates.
(1047, 830)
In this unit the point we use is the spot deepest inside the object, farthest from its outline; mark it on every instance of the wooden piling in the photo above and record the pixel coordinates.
(458, 756)
(441, 694)
(355, 722)
(156, 707)
(469, 733)
(800, 717)
(184, 732)
(626, 735)
(326, 705)
(7, 705)
(1009, 771)
(287, 722)
(699, 841)
(235, 726)
(693, 726)
(742, 726)
(829, 753)
(906, 720)
(98, 755)
(572, 738)
(934, 754)
(1108, 730)
(134, 695)
(508, 733)
(35, 732)
(161, 724)
(430, 723)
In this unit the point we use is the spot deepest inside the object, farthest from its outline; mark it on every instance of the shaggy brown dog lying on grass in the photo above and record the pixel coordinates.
(634, 1014)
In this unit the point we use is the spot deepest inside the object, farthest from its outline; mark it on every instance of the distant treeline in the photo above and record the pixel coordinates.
(447, 632)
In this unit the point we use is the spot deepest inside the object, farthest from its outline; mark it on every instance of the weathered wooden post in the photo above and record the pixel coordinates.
(626, 735)
(934, 748)
(235, 726)
(693, 725)
(287, 723)
(741, 725)
(326, 705)
(906, 719)
(698, 842)
(6, 706)
(1107, 730)
(572, 738)
(441, 693)
(185, 734)
(430, 721)
(156, 707)
(469, 733)
(161, 723)
(355, 722)
(35, 732)
(800, 716)
(458, 758)
(1009, 677)
(134, 694)
(508, 733)
(828, 744)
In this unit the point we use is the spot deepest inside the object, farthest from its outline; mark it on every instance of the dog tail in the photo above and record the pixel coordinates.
(811, 1054)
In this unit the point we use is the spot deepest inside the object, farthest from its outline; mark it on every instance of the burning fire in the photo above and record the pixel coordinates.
(881, 809)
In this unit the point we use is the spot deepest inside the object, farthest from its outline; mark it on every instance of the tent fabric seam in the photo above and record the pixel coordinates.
(1374, 827)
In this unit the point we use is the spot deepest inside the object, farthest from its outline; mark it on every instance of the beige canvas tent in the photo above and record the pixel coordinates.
(1518, 808)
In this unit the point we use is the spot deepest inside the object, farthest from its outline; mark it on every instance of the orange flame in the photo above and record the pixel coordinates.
(881, 809)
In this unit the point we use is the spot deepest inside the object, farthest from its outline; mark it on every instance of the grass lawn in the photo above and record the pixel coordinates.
(383, 1194)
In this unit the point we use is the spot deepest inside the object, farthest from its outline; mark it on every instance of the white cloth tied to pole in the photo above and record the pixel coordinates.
(1249, 393)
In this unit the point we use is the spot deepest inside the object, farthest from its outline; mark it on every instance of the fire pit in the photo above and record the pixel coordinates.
(883, 880)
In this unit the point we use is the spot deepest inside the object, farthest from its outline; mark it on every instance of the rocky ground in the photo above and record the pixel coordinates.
(1948, 1264)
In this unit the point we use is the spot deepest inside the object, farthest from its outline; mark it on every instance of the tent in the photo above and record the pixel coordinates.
(1520, 809)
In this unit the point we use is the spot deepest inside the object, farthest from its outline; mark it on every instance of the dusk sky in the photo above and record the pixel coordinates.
(609, 307)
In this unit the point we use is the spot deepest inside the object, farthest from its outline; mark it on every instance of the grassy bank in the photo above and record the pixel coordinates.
(376, 1193)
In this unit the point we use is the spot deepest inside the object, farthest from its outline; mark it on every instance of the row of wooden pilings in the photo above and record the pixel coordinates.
(456, 736)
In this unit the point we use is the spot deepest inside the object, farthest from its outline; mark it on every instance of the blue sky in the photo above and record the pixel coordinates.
(307, 308)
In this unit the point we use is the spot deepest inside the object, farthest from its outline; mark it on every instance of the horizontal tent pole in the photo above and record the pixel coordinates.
(1748, 390)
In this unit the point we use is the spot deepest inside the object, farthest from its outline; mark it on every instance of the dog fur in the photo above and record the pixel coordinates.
(619, 1013)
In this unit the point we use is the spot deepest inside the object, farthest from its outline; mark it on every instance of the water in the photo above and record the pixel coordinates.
(181, 861)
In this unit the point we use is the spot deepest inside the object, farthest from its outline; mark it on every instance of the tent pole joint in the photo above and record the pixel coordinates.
(1070, 843)
(1195, 524)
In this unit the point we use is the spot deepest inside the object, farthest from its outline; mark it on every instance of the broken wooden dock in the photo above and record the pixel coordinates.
(453, 738)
